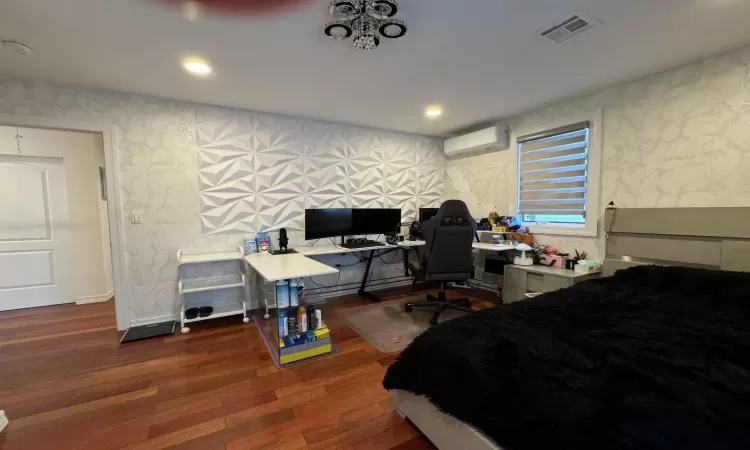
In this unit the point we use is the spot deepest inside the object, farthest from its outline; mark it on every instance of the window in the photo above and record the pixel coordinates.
(558, 180)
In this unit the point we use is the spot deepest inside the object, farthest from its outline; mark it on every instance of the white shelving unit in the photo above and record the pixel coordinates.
(211, 284)
(187, 286)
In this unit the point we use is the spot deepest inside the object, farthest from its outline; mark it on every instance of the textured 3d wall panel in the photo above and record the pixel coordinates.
(261, 173)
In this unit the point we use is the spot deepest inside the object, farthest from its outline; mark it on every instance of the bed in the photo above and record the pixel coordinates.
(656, 355)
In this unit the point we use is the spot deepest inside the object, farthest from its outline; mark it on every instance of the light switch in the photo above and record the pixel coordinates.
(137, 217)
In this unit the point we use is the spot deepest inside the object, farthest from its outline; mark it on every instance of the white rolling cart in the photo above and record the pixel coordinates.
(187, 286)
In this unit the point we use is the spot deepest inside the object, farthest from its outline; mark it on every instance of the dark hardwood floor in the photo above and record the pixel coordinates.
(67, 383)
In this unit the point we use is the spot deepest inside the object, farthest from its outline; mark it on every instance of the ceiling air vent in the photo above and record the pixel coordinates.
(567, 29)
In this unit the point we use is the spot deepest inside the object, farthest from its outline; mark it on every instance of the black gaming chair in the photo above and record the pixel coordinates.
(447, 255)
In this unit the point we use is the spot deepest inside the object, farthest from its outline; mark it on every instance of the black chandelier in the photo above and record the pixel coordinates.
(365, 20)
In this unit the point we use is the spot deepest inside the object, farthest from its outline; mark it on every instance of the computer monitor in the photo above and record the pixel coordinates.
(324, 223)
(427, 214)
(376, 221)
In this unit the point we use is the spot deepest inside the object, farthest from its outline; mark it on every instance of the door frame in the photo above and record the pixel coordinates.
(120, 276)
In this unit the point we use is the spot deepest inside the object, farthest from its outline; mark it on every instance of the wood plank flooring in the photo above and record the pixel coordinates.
(67, 383)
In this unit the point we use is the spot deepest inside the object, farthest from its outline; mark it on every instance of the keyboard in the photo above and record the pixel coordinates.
(364, 245)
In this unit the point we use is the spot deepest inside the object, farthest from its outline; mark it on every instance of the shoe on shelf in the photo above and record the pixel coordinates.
(206, 311)
(191, 313)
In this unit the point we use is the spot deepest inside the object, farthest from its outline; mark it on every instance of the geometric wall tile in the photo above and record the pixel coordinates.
(261, 173)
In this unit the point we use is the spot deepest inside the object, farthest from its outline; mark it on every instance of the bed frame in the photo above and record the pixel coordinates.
(711, 238)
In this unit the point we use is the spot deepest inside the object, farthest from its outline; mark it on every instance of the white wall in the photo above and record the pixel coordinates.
(181, 165)
(81, 153)
(677, 139)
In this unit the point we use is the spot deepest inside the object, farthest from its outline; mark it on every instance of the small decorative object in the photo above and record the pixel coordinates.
(263, 241)
(523, 259)
(552, 258)
(526, 238)
(365, 21)
(250, 246)
(515, 225)
(573, 261)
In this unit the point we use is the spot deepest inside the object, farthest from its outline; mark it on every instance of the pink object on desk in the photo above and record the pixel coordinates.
(552, 261)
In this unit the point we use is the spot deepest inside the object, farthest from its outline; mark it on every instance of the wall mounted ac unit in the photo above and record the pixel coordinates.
(493, 138)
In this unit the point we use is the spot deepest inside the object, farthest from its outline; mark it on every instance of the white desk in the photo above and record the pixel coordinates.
(475, 245)
(410, 244)
(493, 247)
(337, 250)
(301, 264)
(286, 267)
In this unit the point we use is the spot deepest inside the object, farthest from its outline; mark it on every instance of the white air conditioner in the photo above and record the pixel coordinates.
(493, 138)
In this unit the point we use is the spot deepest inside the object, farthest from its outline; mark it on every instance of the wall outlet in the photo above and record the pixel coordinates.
(136, 217)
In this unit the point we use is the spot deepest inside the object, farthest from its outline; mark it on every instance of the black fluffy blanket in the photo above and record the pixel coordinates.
(651, 358)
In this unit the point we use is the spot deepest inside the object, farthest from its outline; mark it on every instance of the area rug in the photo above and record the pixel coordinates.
(387, 326)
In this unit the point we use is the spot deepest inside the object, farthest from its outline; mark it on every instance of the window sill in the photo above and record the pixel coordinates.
(562, 231)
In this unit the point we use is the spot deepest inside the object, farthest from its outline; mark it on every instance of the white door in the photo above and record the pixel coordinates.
(33, 232)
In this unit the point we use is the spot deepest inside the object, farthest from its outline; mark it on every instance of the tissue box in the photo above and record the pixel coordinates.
(587, 267)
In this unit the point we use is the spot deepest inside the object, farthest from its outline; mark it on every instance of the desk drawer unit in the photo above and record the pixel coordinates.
(545, 283)
(521, 280)
(515, 278)
(512, 294)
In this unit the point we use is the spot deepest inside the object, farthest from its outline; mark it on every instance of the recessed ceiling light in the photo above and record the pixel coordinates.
(433, 111)
(197, 67)
(191, 10)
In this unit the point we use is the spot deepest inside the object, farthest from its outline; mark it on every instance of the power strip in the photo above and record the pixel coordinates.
(3, 421)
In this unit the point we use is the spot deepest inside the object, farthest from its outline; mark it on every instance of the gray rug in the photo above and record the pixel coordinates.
(387, 327)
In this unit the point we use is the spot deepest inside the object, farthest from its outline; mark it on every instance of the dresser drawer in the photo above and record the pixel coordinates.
(513, 294)
(552, 283)
(536, 282)
(515, 277)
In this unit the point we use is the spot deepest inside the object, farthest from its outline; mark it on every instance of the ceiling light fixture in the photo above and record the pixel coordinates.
(365, 21)
(433, 112)
(197, 67)
(191, 10)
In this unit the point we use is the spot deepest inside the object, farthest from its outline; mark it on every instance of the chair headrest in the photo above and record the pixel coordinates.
(455, 208)
(450, 221)
(454, 213)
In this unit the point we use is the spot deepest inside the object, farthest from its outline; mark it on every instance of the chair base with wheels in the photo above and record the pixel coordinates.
(441, 303)
(446, 256)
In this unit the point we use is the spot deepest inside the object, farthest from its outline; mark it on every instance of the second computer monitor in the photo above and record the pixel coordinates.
(427, 213)
(331, 222)
(376, 221)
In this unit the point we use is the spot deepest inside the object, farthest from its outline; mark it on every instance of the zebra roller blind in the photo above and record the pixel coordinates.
(553, 175)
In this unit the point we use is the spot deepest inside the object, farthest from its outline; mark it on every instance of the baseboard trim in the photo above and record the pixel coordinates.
(152, 320)
(95, 298)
